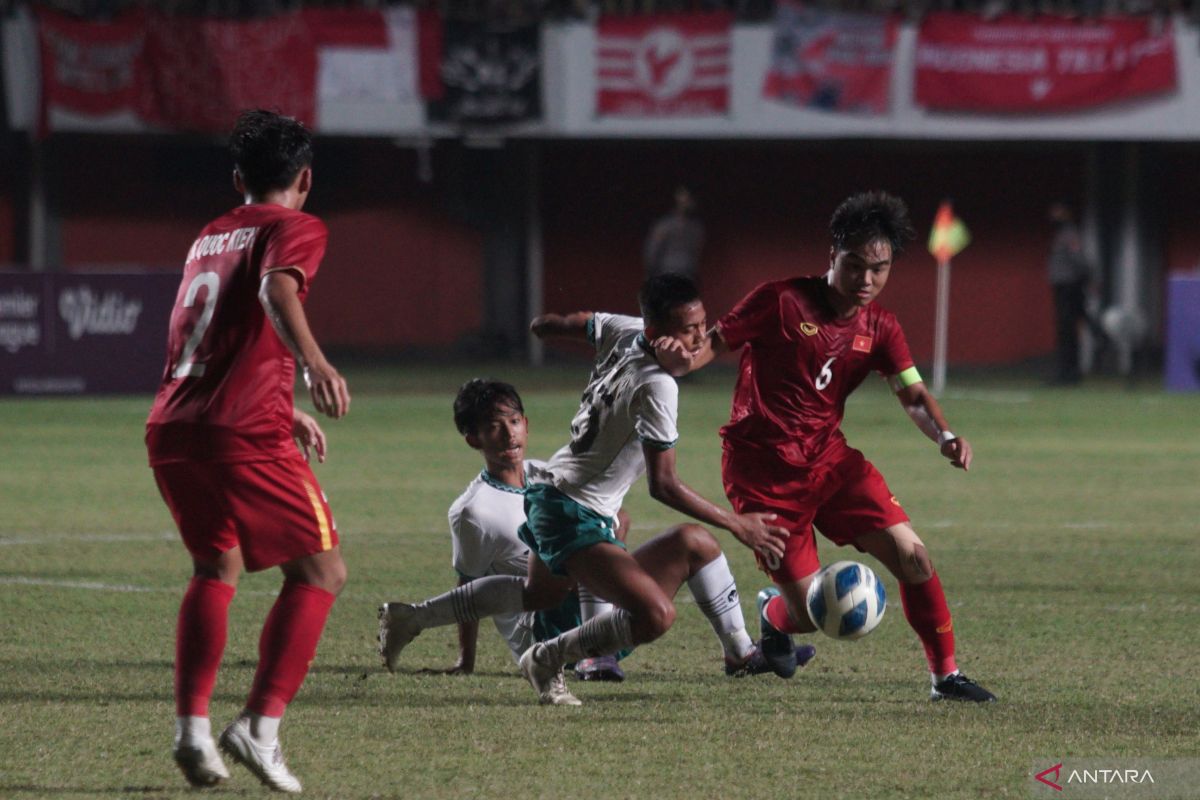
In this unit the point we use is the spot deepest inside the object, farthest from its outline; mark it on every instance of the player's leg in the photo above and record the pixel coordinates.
(202, 624)
(470, 601)
(607, 667)
(903, 553)
(285, 521)
(643, 613)
(689, 553)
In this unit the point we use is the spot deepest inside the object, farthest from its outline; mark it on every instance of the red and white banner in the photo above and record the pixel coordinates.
(342, 71)
(831, 60)
(1048, 64)
(368, 71)
(663, 65)
(88, 68)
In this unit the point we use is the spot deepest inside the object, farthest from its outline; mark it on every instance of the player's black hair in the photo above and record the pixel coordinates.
(868, 216)
(664, 293)
(269, 150)
(477, 398)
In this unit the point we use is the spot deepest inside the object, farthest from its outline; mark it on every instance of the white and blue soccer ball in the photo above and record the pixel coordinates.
(846, 600)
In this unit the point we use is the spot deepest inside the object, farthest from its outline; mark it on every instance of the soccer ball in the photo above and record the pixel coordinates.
(846, 600)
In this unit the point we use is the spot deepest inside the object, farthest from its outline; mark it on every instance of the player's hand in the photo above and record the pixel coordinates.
(958, 450)
(328, 390)
(672, 356)
(308, 434)
(756, 532)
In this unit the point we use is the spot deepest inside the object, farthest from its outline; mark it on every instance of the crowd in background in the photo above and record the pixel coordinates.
(746, 10)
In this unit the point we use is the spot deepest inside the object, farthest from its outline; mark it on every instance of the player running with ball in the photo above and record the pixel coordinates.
(807, 343)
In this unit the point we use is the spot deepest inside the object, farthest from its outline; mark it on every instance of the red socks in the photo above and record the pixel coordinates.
(778, 616)
(927, 613)
(199, 643)
(287, 646)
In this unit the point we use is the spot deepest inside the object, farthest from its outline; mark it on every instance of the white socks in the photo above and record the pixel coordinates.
(264, 729)
(716, 593)
(192, 729)
(482, 597)
(600, 636)
(590, 605)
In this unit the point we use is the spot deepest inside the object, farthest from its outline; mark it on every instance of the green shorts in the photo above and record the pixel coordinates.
(557, 527)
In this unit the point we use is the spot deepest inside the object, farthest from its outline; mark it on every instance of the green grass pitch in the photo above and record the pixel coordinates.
(1068, 553)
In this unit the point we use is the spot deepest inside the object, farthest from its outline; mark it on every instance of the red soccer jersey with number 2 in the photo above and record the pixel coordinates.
(799, 363)
(226, 392)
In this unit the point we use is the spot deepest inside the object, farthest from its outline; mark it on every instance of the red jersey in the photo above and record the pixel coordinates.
(226, 392)
(800, 363)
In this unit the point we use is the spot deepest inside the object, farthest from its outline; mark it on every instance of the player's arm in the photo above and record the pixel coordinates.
(673, 357)
(279, 294)
(753, 530)
(569, 326)
(925, 412)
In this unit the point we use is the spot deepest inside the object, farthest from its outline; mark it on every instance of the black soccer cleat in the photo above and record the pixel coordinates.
(756, 663)
(959, 687)
(776, 646)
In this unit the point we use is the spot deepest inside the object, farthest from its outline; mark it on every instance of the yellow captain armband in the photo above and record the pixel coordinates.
(905, 379)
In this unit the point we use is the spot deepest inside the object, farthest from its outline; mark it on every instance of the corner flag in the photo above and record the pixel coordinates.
(949, 236)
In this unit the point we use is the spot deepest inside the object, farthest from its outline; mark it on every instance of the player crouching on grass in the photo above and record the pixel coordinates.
(807, 343)
(626, 425)
(491, 561)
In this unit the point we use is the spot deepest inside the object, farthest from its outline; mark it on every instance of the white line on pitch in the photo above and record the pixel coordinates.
(90, 537)
(95, 586)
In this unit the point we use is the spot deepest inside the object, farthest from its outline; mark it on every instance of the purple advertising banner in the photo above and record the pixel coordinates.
(1183, 333)
(83, 333)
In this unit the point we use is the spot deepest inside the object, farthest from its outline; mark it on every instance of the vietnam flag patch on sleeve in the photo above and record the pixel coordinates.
(862, 344)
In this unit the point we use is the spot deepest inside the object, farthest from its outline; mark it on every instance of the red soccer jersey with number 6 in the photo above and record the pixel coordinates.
(799, 363)
(226, 391)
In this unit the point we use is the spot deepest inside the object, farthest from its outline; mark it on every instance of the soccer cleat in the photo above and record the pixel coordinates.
(546, 678)
(756, 663)
(957, 686)
(265, 761)
(604, 668)
(200, 762)
(397, 627)
(776, 646)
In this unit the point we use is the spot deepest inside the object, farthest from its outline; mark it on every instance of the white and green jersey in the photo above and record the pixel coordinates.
(483, 532)
(629, 401)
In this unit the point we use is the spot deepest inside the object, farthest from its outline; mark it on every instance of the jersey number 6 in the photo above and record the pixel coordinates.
(826, 375)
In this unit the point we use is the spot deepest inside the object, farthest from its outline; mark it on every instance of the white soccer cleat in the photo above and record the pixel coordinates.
(200, 762)
(546, 678)
(397, 627)
(265, 761)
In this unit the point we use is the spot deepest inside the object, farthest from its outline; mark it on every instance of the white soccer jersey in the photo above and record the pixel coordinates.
(483, 531)
(630, 400)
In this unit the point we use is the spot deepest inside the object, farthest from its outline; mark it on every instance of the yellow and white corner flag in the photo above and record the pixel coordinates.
(949, 236)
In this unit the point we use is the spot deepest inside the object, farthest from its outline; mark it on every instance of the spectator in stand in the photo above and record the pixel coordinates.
(676, 240)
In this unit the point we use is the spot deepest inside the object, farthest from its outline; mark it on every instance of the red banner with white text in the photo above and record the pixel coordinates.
(1047, 64)
(663, 65)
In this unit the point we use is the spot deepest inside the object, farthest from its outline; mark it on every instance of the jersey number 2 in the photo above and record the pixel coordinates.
(826, 375)
(187, 368)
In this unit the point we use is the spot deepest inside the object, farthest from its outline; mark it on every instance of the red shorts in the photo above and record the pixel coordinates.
(844, 497)
(274, 510)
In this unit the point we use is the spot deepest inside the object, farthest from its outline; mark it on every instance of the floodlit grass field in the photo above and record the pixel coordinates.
(1069, 555)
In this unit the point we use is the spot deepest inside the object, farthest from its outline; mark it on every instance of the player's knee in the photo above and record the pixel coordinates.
(654, 620)
(700, 545)
(918, 567)
(333, 577)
